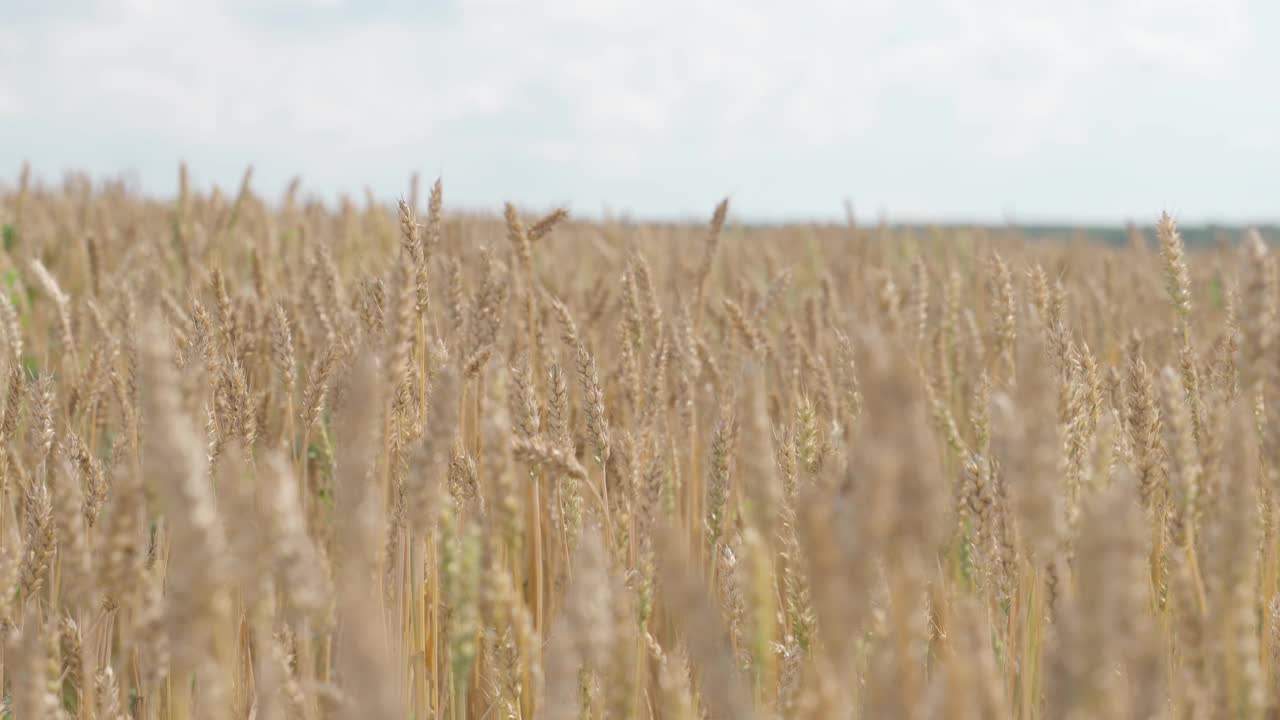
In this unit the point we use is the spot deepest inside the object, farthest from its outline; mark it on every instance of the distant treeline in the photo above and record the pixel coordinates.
(1192, 235)
(1116, 235)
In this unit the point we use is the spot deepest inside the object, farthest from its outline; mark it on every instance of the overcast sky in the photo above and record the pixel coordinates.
(1093, 110)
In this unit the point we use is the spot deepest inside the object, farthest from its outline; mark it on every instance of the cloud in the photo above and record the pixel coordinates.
(662, 106)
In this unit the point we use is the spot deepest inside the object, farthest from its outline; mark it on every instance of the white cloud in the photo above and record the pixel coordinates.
(669, 101)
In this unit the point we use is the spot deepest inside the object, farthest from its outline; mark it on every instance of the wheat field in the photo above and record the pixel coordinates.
(266, 458)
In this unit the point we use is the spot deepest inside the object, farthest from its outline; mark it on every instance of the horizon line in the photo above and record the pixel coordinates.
(333, 199)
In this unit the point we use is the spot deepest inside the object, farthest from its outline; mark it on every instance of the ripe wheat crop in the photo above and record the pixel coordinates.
(272, 459)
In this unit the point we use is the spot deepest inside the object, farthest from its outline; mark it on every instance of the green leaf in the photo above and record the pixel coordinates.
(1215, 290)
(10, 234)
(70, 699)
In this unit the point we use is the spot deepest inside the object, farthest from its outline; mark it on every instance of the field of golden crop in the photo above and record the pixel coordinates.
(268, 459)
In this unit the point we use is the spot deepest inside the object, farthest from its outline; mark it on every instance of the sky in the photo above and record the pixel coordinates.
(1083, 111)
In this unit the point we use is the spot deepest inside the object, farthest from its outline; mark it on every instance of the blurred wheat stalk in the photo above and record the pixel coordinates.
(275, 461)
